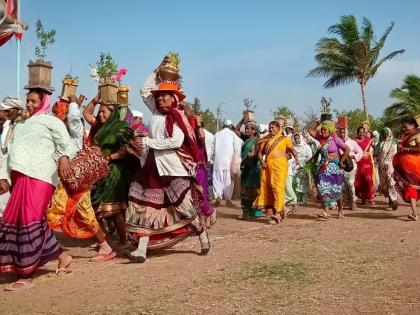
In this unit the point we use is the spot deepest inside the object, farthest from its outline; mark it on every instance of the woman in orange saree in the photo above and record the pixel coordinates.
(273, 158)
(407, 165)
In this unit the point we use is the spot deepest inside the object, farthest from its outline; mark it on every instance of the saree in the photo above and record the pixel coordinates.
(386, 150)
(110, 194)
(72, 213)
(273, 177)
(250, 177)
(407, 170)
(330, 177)
(26, 242)
(364, 182)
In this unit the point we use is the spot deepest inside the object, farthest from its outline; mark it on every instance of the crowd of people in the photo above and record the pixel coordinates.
(158, 183)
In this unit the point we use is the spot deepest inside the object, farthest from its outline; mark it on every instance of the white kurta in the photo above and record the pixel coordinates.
(225, 150)
(167, 159)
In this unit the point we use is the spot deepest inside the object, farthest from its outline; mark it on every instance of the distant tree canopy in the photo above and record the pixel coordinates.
(209, 119)
(283, 111)
(357, 117)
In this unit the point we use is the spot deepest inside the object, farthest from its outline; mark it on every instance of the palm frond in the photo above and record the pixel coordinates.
(347, 29)
(388, 57)
(367, 32)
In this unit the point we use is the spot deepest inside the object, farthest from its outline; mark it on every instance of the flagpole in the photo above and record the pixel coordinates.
(18, 53)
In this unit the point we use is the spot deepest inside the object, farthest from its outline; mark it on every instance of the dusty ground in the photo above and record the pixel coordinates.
(367, 263)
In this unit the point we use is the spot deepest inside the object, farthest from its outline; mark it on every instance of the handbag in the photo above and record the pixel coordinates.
(88, 167)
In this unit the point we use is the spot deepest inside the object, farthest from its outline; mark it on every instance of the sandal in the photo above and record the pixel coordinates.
(19, 285)
(276, 218)
(103, 257)
(322, 217)
(412, 217)
(60, 271)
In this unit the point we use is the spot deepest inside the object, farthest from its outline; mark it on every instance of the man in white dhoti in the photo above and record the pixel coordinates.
(224, 153)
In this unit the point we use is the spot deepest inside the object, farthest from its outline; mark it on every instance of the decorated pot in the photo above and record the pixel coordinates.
(248, 116)
(168, 73)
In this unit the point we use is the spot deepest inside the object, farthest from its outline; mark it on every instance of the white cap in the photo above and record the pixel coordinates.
(228, 122)
(137, 113)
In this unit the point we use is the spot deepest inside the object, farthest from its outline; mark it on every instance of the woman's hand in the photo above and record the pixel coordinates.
(4, 186)
(264, 164)
(64, 170)
(341, 164)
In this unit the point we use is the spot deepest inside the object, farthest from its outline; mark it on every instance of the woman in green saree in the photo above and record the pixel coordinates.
(250, 171)
(111, 132)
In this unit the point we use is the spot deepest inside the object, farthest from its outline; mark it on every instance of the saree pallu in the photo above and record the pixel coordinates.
(162, 207)
(72, 213)
(301, 184)
(250, 178)
(26, 242)
(202, 178)
(330, 182)
(407, 172)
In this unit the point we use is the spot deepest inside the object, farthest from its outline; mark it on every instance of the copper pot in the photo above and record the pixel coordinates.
(168, 73)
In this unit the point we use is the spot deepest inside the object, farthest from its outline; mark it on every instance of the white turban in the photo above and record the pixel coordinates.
(137, 113)
(12, 103)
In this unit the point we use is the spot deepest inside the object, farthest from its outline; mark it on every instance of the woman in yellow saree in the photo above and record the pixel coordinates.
(273, 155)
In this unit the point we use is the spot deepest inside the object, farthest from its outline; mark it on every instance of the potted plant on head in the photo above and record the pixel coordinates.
(105, 70)
(248, 114)
(326, 109)
(170, 71)
(40, 70)
(70, 85)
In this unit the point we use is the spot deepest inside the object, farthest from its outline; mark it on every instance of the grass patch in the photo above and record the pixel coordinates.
(275, 271)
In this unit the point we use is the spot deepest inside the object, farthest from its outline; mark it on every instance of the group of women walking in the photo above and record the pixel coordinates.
(385, 166)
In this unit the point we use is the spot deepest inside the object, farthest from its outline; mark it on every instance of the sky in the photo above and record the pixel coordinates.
(230, 50)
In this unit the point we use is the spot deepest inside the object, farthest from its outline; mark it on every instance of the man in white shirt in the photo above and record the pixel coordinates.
(356, 153)
(224, 153)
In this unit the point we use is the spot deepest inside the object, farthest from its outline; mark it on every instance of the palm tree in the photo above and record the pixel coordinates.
(352, 55)
(408, 103)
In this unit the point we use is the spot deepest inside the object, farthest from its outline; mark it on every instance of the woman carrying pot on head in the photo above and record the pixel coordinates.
(111, 132)
(273, 158)
(385, 151)
(39, 146)
(165, 198)
(250, 169)
(364, 183)
(330, 174)
(406, 164)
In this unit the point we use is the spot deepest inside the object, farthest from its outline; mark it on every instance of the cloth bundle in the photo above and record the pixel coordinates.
(88, 167)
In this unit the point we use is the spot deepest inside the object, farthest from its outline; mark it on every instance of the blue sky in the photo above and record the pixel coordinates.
(229, 49)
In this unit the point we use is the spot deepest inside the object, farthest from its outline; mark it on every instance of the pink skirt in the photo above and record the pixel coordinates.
(26, 242)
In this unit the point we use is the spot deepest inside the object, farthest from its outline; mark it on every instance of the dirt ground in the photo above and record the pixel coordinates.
(367, 263)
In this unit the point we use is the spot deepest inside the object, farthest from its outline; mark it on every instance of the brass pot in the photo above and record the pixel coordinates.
(248, 116)
(168, 73)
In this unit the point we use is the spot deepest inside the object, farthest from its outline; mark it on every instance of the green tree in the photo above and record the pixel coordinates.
(45, 38)
(196, 105)
(357, 118)
(209, 119)
(352, 55)
(283, 111)
(408, 104)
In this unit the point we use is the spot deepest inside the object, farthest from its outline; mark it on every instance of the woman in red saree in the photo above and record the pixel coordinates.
(407, 165)
(364, 184)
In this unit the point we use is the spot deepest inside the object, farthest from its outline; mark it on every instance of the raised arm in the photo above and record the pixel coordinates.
(90, 109)
(238, 127)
